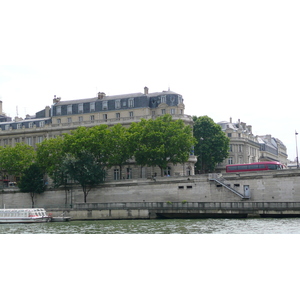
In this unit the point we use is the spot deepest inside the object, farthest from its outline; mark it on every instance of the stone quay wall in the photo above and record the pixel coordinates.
(268, 186)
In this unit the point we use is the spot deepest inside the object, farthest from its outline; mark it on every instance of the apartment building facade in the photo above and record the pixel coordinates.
(245, 147)
(63, 116)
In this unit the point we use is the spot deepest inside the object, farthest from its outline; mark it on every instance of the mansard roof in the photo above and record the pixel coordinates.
(115, 97)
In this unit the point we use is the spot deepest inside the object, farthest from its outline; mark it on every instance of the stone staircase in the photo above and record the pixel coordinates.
(218, 179)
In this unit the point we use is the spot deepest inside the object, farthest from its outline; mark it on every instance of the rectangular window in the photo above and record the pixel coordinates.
(80, 108)
(42, 123)
(229, 134)
(116, 174)
(163, 111)
(69, 110)
(124, 103)
(19, 125)
(230, 160)
(69, 120)
(179, 99)
(58, 110)
(172, 111)
(105, 117)
(131, 114)
(80, 119)
(104, 105)
(29, 141)
(30, 125)
(129, 173)
(92, 117)
(39, 139)
(131, 102)
(92, 106)
(58, 121)
(17, 140)
(5, 141)
(240, 148)
(118, 104)
(118, 116)
(163, 99)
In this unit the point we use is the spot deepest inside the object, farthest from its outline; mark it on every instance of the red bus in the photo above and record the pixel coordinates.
(258, 166)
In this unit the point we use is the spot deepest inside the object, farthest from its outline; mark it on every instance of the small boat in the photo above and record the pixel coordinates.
(24, 215)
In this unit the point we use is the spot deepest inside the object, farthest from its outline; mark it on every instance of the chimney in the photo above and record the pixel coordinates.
(146, 90)
(47, 111)
(249, 127)
(101, 95)
(230, 120)
(0, 107)
(56, 99)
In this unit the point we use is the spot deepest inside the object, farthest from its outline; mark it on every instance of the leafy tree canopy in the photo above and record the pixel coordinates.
(32, 181)
(15, 160)
(161, 141)
(212, 144)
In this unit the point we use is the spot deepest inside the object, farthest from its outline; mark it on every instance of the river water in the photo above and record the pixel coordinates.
(162, 226)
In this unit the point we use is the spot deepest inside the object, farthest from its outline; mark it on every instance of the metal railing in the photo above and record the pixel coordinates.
(191, 205)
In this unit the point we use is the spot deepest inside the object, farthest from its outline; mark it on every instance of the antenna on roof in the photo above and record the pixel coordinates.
(17, 111)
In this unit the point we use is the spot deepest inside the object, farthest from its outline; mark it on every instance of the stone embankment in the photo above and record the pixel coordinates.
(269, 193)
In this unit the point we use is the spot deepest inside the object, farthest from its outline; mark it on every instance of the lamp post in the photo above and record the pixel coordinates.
(296, 133)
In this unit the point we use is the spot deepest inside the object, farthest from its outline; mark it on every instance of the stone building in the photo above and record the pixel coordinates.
(64, 116)
(245, 147)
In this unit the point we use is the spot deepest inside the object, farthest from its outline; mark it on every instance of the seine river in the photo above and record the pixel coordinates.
(163, 226)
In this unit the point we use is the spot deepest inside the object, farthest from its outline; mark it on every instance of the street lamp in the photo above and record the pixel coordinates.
(296, 133)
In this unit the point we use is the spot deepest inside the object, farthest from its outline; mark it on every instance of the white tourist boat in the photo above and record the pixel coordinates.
(24, 215)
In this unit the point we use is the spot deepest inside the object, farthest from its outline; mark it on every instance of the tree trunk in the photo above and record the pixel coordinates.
(32, 201)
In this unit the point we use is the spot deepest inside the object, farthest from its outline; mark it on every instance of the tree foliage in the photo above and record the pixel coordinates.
(32, 181)
(15, 160)
(84, 169)
(212, 144)
(161, 141)
(119, 147)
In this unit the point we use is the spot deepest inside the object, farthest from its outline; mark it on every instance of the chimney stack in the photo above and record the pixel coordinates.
(230, 120)
(146, 90)
(101, 95)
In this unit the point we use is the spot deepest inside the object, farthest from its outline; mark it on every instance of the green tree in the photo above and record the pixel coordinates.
(161, 141)
(84, 169)
(50, 154)
(119, 153)
(15, 160)
(212, 144)
(32, 181)
(94, 140)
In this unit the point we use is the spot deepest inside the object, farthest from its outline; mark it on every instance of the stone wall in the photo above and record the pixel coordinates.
(269, 186)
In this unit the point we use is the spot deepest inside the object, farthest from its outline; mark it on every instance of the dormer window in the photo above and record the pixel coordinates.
(30, 125)
(179, 99)
(80, 108)
(104, 105)
(58, 110)
(92, 106)
(69, 109)
(7, 127)
(118, 104)
(163, 99)
(42, 123)
(131, 102)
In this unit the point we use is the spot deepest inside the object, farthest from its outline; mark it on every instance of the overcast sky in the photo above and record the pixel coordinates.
(236, 59)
